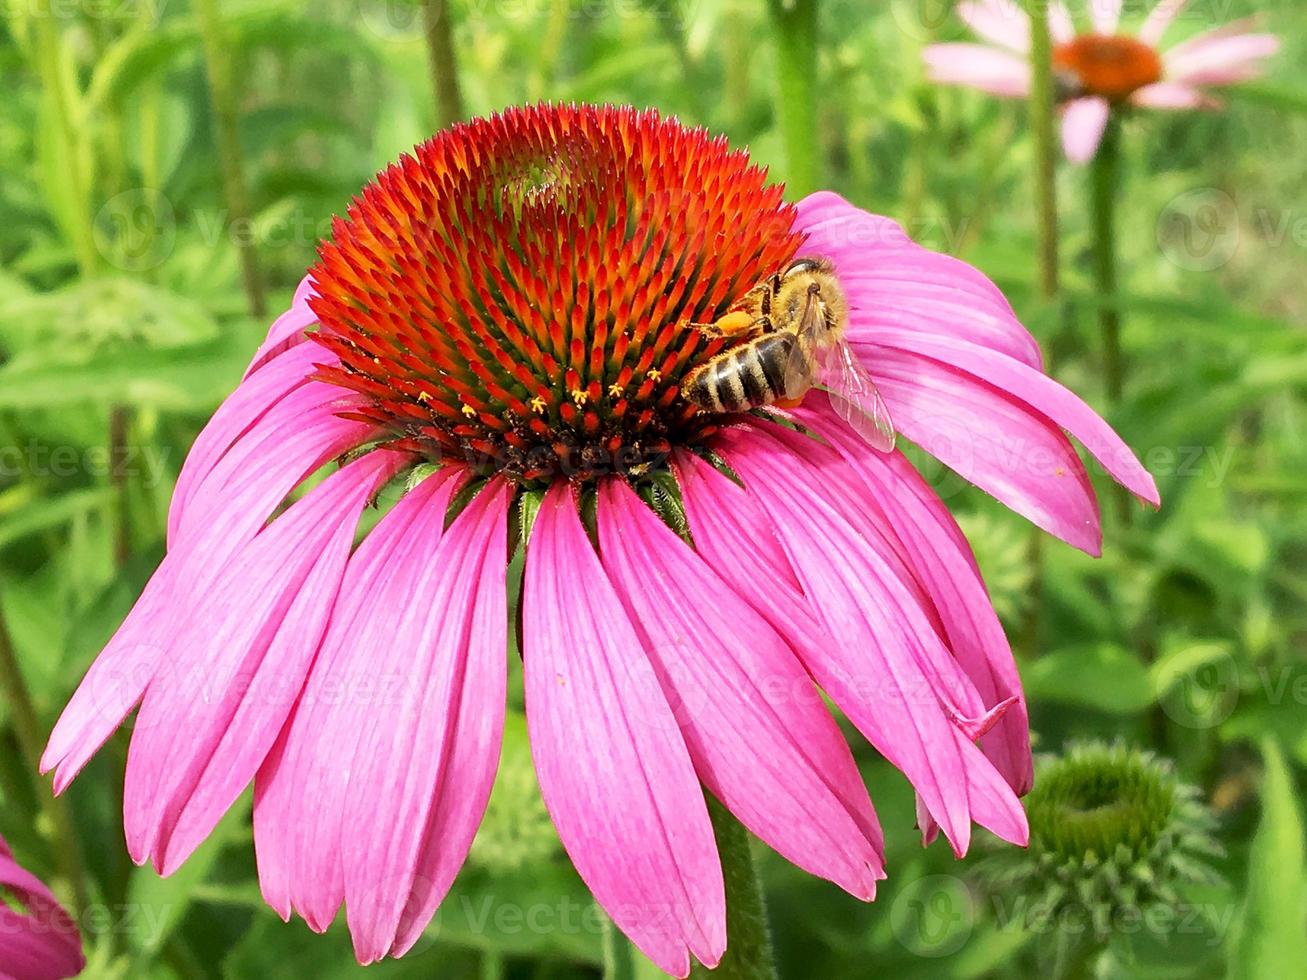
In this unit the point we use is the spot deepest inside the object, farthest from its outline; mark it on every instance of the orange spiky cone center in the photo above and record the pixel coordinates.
(1113, 67)
(518, 295)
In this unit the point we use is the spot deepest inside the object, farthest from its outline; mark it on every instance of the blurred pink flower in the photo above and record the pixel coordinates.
(1103, 67)
(512, 304)
(38, 939)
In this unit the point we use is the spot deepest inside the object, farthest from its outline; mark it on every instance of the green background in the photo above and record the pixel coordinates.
(123, 318)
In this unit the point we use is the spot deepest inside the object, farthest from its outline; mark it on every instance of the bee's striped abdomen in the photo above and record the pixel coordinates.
(748, 377)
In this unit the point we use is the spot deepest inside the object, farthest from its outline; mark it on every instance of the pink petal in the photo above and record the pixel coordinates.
(881, 669)
(301, 791)
(943, 561)
(892, 283)
(288, 330)
(1060, 25)
(38, 939)
(614, 770)
(1172, 95)
(1001, 22)
(978, 66)
(757, 731)
(232, 676)
(293, 439)
(1105, 15)
(994, 440)
(1159, 19)
(1219, 58)
(297, 435)
(409, 817)
(244, 407)
(1083, 123)
(1039, 392)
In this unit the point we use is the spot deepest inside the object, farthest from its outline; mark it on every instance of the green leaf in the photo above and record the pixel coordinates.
(135, 59)
(1103, 676)
(45, 513)
(190, 379)
(1272, 943)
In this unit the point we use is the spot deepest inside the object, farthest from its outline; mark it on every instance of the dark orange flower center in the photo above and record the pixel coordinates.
(518, 294)
(1113, 67)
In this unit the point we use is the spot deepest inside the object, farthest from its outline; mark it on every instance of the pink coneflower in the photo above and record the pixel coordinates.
(1102, 68)
(38, 939)
(503, 320)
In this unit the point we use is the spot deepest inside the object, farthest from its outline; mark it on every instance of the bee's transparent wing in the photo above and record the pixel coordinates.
(854, 396)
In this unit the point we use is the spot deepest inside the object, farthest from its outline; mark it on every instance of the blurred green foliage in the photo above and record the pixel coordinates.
(123, 322)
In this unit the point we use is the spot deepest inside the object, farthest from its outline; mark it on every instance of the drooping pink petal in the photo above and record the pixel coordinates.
(759, 735)
(943, 561)
(1040, 392)
(233, 419)
(38, 939)
(1219, 58)
(297, 434)
(978, 66)
(474, 755)
(288, 330)
(409, 817)
(234, 671)
(294, 438)
(1105, 15)
(614, 770)
(302, 789)
(894, 284)
(994, 440)
(1083, 123)
(874, 671)
(1158, 20)
(1001, 22)
(1173, 95)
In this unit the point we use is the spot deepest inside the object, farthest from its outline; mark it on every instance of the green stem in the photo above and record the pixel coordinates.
(27, 729)
(49, 55)
(794, 28)
(1105, 180)
(619, 958)
(119, 428)
(749, 954)
(222, 98)
(442, 62)
(1043, 129)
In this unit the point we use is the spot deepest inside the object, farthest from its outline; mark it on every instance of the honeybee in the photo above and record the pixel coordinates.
(793, 329)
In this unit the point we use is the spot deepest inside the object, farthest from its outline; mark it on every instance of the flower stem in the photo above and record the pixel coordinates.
(1106, 174)
(27, 729)
(1042, 127)
(749, 954)
(1105, 177)
(1044, 133)
(794, 29)
(442, 62)
(222, 98)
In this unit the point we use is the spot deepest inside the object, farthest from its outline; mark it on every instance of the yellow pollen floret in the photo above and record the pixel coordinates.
(615, 390)
(538, 405)
(654, 374)
(579, 396)
(469, 411)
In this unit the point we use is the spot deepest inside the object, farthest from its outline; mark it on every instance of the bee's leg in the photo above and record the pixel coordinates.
(734, 324)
